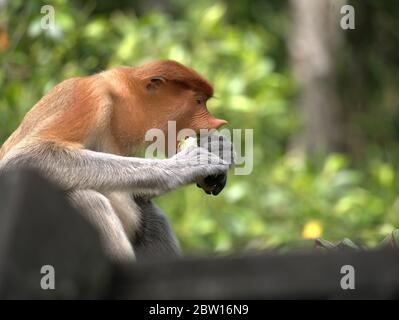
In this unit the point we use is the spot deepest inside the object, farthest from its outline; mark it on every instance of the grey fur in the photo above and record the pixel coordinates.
(86, 169)
(155, 239)
(94, 181)
(100, 213)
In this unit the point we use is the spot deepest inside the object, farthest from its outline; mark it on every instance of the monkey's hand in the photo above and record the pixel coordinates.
(219, 145)
(196, 163)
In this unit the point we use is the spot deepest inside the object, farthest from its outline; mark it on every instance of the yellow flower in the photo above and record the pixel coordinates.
(312, 230)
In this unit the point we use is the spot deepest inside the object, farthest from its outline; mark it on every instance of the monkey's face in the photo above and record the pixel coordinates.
(180, 103)
(187, 107)
(193, 113)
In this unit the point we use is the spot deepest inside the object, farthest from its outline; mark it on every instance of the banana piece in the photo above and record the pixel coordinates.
(188, 142)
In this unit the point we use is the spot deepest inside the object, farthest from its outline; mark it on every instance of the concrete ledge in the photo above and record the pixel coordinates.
(38, 227)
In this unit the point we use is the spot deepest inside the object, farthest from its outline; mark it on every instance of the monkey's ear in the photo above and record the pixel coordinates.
(155, 82)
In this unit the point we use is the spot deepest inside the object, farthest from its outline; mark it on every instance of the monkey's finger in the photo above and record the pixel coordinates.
(213, 184)
(221, 179)
(214, 180)
(220, 186)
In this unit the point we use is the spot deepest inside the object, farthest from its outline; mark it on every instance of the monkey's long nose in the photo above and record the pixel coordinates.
(216, 123)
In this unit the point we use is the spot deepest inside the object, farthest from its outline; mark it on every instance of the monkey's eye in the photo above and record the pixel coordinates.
(199, 101)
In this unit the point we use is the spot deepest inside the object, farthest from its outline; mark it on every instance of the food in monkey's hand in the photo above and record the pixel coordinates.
(211, 184)
(188, 142)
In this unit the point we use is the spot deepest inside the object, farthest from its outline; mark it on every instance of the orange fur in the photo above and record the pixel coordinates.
(114, 108)
(174, 71)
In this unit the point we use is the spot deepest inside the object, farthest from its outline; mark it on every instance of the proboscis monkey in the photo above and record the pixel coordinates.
(81, 135)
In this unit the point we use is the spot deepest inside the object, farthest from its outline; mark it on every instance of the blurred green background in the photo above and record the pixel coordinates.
(323, 103)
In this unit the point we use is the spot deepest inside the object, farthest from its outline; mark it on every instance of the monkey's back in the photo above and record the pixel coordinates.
(47, 112)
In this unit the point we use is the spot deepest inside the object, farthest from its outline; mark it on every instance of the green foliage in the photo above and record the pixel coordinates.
(284, 193)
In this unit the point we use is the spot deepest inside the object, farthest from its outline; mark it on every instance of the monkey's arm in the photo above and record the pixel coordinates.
(73, 168)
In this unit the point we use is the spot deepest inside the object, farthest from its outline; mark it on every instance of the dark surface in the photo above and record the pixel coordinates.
(304, 276)
(38, 227)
